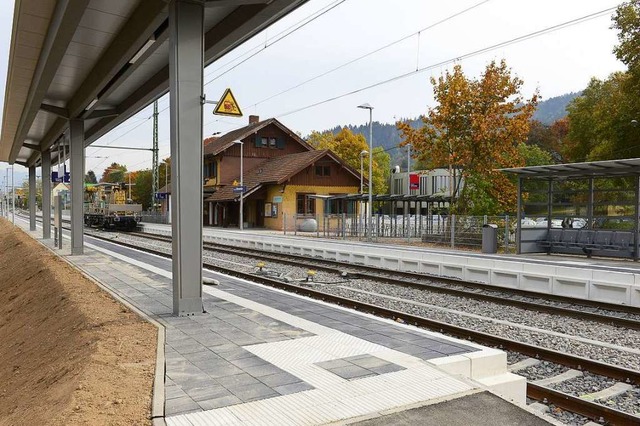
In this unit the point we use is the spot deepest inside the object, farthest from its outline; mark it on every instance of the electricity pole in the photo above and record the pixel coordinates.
(154, 150)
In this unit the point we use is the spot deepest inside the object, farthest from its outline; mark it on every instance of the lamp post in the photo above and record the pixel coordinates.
(362, 154)
(370, 209)
(241, 186)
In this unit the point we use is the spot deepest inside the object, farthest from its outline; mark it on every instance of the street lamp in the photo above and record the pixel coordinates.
(370, 210)
(241, 186)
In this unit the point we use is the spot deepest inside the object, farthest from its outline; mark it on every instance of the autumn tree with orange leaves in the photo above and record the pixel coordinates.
(476, 128)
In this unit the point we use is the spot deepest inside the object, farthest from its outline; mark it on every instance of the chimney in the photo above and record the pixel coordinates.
(253, 119)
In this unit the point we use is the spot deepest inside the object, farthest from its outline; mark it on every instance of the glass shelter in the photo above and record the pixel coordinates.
(581, 208)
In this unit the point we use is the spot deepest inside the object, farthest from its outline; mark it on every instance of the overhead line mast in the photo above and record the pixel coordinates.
(154, 166)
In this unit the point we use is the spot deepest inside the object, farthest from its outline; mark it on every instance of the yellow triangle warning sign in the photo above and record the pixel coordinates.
(227, 105)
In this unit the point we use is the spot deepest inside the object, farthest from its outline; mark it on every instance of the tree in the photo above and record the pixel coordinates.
(475, 128)
(141, 190)
(600, 121)
(627, 21)
(115, 173)
(348, 147)
(90, 177)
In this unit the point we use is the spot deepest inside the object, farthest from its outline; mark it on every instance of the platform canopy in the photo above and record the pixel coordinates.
(626, 167)
(102, 61)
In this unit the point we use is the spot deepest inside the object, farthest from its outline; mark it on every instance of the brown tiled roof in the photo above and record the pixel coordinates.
(272, 171)
(214, 146)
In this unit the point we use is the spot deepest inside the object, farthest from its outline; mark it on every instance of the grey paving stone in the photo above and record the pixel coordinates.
(334, 363)
(189, 348)
(254, 392)
(293, 388)
(249, 361)
(237, 380)
(223, 401)
(206, 355)
(174, 391)
(207, 392)
(278, 379)
(226, 371)
(388, 368)
(180, 406)
(367, 361)
(262, 370)
(351, 372)
(234, 353)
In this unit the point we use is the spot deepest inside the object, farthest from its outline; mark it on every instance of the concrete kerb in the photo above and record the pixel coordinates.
(157, 403)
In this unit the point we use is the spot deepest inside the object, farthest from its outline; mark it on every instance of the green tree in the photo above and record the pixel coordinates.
(115, 173)
(90, 177)
(600, 121)
(475, 128)
(348, 146)
(141, 190)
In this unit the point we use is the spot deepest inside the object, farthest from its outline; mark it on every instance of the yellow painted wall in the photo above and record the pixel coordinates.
(288, 204)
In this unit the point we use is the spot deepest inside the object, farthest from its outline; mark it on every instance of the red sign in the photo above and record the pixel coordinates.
(414, 181)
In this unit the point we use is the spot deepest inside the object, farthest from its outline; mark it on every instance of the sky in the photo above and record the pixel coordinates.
(554, 63)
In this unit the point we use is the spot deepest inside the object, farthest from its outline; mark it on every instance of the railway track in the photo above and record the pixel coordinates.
(616, 314)
(546, 394)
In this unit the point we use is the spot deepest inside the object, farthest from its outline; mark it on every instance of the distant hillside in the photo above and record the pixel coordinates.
(388, 136)
(553, 109)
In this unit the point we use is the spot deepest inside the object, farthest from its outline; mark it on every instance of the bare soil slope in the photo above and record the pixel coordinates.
(69, 353)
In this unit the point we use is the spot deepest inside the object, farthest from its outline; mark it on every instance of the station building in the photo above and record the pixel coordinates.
(282, 176)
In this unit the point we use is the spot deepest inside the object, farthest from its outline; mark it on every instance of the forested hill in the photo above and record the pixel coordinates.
(553, 109)
(387, 135)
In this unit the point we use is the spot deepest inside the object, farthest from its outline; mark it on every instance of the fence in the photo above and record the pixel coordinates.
(454, 231)
(154, 217)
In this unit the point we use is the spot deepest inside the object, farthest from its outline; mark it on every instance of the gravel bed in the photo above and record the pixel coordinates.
(514, 357)
(325, 281)
(567, 417)
(544, 370)
(568, 345)
(571, 326)
(628, 401)
(588, 383)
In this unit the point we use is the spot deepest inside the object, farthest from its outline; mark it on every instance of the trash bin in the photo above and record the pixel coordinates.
(490, 238)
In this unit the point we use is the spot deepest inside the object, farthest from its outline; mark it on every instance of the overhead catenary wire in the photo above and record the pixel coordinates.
(280, 38)
(459, 58)
(372, 52)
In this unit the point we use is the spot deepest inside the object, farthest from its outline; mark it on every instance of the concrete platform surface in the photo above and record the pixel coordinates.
(264, 356)
(479, 409)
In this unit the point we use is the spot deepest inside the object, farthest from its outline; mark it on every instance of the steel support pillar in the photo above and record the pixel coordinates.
(186, 62)
(76, 138)
(46, 194)
(32, 198)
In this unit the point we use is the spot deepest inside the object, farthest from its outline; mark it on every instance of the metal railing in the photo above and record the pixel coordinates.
(154, 217)
(453, 231)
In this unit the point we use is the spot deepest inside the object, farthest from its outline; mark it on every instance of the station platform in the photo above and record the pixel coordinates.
(613, 281)
(264, 356)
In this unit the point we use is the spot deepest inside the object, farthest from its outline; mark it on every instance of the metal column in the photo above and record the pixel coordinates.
(76, 139)
(186, 26)
(519, 216)
(46, 194)
(636, 225)
(32, 198)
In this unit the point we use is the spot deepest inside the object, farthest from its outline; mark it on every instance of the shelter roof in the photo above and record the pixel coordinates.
(214, 146)
(626, 167)
(103, 61)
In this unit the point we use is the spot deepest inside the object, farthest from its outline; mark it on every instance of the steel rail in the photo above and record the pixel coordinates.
(379, 275)
(584, 407)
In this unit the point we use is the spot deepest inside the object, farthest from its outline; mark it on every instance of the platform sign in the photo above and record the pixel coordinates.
(161, 195)
(55, 178)
(239, 189)
(227, 105)
(414, 181)
(277, 199)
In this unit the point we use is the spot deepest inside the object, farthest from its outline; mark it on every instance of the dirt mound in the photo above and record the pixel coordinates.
(69, 353)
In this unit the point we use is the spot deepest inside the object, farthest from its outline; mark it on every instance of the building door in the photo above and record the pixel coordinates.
(260, 213)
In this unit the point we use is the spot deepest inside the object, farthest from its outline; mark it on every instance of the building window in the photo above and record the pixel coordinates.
(323, 171)
(272, 143)
(264, 142)
(337, 206)
(305, 205)
(210, 170)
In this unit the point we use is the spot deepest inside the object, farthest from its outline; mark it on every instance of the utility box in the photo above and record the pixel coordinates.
(490, 238)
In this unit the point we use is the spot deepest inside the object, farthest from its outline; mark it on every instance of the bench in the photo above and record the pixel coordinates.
(588, 240)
